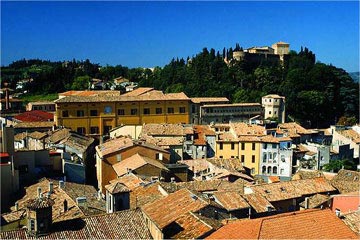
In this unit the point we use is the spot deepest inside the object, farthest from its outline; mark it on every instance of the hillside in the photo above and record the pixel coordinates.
(317, 94)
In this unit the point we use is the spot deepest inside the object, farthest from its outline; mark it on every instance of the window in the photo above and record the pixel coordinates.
(242, 146)
(80, 113)
(242, 158)
(193, 109)
(253, 158)
(264, 157)
(94, 130)
(253, 146)
(118, 157)
(158, 110)
(32, 224)
(170, 110)
(121, 111)
(221, 146)
(133, 111)
(282, 158)
(147, 111)
(274, 157)
(232, 146)
(108, 110)
(159, 156)
(182, 109)
(275, 170)
(264, 146)
(65, 113)
(252, 170)
(93, 112)
(281, 171)
(269, 112)
(263, 169)
(270, 155)
(269, 170)
(81, 130)
(274, 145)
(221, 157)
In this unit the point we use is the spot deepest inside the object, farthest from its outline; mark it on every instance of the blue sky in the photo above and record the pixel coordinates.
(147, 34)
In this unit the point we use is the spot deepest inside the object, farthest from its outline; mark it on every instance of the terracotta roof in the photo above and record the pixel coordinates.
(351, 134)
(196, 165)
(131, 181)
(227, 137)
(37, 135)
(315, 200)
(35, 116)
(164, 142)
(209, 99)
(58, 135)
(14, 216)
(229, 164)
(37, 203)
(34, 125)
(144, 194)
(307, 224)
(200, 186)
(293, 189)
(243, 129)
(120, 143)
(346, 181)
(201, 131)
(20, 136)
(293, 129)
(41, 103)
(258, 202)
(231, 200)
(166, 210)
(352, 220)
(134, 162)
(274, 179)
(154, 129)
(78, 142)
(309, 173)
(127, 224)
(116, 187)
(153, 95)
(138, 91)
(269, 139)
(192, 227)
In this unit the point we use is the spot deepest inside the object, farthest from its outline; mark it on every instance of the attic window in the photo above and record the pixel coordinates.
(282, 189)
(267, 191)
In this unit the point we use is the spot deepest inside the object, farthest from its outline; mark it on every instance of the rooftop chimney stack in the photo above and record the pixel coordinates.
(16, 206)
(337, 212)
(307, 203)
(39, 192)
(51, 187)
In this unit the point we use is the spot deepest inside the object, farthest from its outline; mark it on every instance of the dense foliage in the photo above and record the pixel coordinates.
(317, 94)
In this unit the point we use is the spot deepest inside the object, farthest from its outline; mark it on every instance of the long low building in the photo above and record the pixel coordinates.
(97, 113)
(223, 113)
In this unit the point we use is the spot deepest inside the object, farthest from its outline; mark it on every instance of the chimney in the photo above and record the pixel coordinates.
(64, 178)
(61, 184)
(51, 187)
(39, 192)
(172, 179)
(337, 212)
(65, 204)
(16, 206)
(307, 203)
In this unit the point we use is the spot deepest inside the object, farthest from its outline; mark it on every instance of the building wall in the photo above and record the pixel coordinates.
(345, 203)
(150, 170)
(339, 139)
(210, 146)
(248, 154)
(154, 230)
(132, 130)
(50, 107)
(108, 116)
(227, 150)
(35, 144)
(274, 108)
(104, 170)
(74, 172)
(271, 158)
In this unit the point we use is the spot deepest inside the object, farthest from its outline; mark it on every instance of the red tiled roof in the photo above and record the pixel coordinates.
(231, 200)
(307, 224)
(192, 227)
(35, 116)
(166, 210)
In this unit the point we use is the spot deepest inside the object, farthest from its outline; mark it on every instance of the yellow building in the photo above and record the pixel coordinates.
(242, 143)
(96, 112)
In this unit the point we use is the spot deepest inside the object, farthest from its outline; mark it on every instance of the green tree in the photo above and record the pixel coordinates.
(81, 83)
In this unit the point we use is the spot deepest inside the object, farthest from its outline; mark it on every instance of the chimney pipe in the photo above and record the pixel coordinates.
(39, 192)
(172, 179)
(51, 187)
(307, 203)
(16, 206)
(65, 205)
(337, 212)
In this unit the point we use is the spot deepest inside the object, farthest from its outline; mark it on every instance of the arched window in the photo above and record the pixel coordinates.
(264, 169)
(269, 170)
(270, 156)
(275, 170)
(274, 157)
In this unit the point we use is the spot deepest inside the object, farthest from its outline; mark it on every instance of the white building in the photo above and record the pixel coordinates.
(274, 107)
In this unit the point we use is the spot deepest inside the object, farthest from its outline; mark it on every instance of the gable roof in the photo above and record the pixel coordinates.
(307, 224)
(165, 129)
(127, 224)
(352, 220)
(34, 125)
(293, 189)
(134, 162)
(258, 202)
(117, 144)
(35, 116)
(243, 129)
(116, 187)
(37, 135)
(166, 210)
(130, 180)
(346, 181)
(231, 200)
